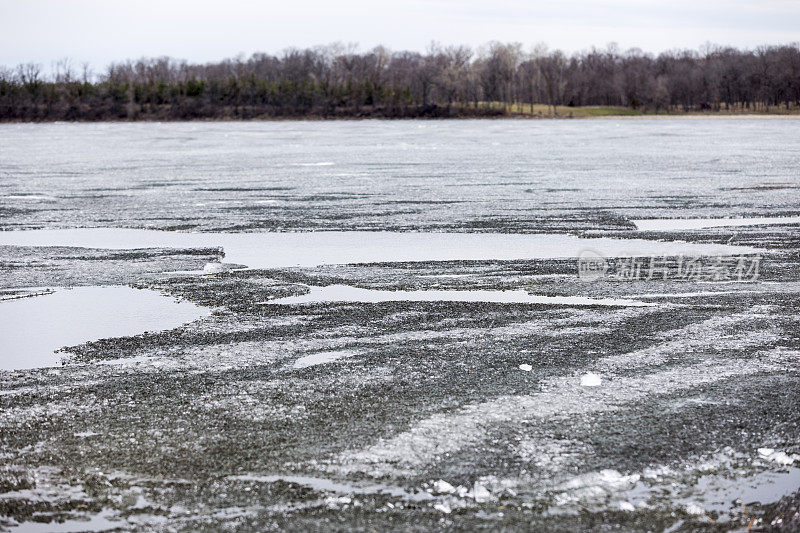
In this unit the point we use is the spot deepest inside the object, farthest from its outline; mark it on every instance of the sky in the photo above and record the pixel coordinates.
(100, 32)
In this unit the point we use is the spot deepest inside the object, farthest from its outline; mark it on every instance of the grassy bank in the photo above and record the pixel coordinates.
(562, 111)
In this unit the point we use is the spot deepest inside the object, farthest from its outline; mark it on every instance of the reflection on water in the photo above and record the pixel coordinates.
(721, 494)
(98, 522)
(31, 329)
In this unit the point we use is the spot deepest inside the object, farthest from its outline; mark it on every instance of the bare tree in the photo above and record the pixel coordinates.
(552, 70)
(341, 80)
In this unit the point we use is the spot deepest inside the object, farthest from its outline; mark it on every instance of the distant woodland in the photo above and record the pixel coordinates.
(455, 81)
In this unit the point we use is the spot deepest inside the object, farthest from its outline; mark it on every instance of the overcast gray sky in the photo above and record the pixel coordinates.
(196, 30)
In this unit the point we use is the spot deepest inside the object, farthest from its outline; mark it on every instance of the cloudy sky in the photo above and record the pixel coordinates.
(197, 30)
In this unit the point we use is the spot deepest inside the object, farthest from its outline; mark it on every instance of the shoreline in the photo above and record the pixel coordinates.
(664, 116)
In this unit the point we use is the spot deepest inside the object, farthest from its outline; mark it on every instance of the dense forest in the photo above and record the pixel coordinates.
(337, 81)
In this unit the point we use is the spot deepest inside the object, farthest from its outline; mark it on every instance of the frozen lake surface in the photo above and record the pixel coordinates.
(408, 385)
(470, 175)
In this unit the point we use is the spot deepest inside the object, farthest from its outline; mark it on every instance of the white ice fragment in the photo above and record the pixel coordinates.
(695, 509)
(526, 367)
(782, 458)
(213, 268)
(707, 466)
(657, 473)
(462, 491)
(481, 494)
(595, 486)
(626, 506)
(443, 487)
(442, 507)
(590, 380)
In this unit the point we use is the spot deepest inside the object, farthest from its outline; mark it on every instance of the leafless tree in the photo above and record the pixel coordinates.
(340, 80)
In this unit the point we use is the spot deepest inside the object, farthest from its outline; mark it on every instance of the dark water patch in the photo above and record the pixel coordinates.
(763, 187)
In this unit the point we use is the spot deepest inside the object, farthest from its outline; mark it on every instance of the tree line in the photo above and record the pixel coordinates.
(338, 81)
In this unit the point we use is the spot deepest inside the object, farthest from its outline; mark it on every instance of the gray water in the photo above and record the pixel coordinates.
(681, 224)
(31, 329)
(346, 293)
(310, 249)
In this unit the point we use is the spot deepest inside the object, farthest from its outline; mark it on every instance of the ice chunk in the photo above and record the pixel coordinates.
(526, 367)
(214, 268)
(782, 458)
(590, 380)
(443, 487)
(626, 506)
(481, 494)
(442, 507)
(594, 486)
(695, 509)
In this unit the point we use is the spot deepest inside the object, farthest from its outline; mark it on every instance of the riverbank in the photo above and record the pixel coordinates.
(166, 113)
